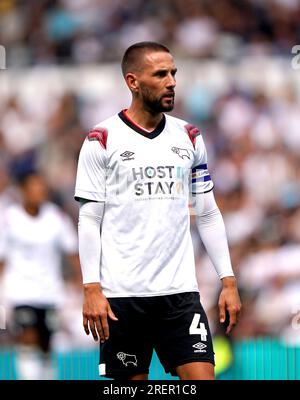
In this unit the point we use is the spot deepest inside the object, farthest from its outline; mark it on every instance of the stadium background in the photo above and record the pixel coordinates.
(236, 82)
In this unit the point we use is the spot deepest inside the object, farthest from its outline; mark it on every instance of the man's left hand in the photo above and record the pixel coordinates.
(229, 300)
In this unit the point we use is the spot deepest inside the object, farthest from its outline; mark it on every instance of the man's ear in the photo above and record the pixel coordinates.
(132, 82)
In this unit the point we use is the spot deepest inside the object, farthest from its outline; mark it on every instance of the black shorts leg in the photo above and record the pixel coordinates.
(43, 320)
(183, 333)
(128, 351)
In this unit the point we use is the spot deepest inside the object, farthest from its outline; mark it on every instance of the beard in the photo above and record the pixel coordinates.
(155, 104)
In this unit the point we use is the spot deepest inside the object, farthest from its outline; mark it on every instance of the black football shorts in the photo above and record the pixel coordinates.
(175, 326)
(44, 320)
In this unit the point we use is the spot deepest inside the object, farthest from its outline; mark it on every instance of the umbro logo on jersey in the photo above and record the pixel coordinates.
(199, 347)
(127, 155)
(181, 152)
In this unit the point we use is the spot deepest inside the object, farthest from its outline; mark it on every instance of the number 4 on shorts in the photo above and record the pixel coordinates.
(198, 330)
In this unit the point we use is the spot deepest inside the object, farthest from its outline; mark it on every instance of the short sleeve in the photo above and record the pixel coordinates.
(91, 171)
(200, 179)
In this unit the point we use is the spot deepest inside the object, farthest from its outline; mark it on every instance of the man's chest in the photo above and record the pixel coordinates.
(150, 167)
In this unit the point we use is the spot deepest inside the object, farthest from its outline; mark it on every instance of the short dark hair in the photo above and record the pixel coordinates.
(24, 177)
(133, 53)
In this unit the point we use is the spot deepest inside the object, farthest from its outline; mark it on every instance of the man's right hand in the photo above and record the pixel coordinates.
(96, 308)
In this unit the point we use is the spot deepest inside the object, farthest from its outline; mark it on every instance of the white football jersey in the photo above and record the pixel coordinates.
(31, 247)
(145, 179)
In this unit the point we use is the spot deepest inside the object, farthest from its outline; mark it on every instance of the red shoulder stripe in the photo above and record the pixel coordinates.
(99, 134)
(193, 132)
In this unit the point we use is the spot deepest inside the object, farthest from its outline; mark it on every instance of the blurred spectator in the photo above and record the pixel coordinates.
(81, 31)
(34, 233)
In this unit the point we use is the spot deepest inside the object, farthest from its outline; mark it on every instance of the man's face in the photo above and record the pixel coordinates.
(35, 190)
(156, 82)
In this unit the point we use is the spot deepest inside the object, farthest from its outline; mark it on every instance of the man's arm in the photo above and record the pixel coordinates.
(74, 262)
(211, 227)
(96, 307)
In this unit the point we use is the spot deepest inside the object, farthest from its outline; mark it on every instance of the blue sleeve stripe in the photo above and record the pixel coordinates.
(205, 178)
(200, 166)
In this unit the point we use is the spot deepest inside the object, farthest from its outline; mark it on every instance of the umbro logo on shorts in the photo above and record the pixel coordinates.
(127, 358)
(127, 155)
(199, 347)
(181, 152)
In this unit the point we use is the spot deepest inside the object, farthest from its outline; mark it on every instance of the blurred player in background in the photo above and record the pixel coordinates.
(135, 173)
(34, 234)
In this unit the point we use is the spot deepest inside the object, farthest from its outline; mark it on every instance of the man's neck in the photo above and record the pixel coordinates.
(31, 210)
(144, 118)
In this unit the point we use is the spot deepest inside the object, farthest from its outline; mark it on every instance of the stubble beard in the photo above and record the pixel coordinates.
(155, 105)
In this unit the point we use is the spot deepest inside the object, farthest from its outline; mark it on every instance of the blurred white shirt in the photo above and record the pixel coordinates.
(31, 247)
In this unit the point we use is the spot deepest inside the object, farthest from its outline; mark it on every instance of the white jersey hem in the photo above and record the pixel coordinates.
(107, 295)
(82, 194)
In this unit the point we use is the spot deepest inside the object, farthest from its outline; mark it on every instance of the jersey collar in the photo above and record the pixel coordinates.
(150, 135)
